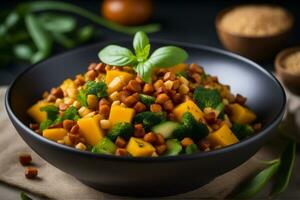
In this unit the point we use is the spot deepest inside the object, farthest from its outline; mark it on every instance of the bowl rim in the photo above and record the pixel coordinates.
(221, 14)
(197, 155)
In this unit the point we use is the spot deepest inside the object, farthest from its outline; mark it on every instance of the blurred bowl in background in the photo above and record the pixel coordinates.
(288, 77)
(256, 47)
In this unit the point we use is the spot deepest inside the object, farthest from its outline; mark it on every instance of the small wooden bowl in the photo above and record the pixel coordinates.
(291, 80)
(257, 48)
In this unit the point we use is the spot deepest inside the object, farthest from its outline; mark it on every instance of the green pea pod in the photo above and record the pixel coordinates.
(40, 37)
(38, 6)
(283, 176)
(257, 183)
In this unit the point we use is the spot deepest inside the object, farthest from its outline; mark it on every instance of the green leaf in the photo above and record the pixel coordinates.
(12, 19)
(23, 51)
(57, 23)
(51, 110)
(283, 176)
(82, 98)
(71, 113)
(116, 55)
(85, 33)
(39, 36)
(39, 6)
(144, 70)
(24, 196)
(141, 45)
(168, 56)
(63, 40)
(45, 124)
(258, 182)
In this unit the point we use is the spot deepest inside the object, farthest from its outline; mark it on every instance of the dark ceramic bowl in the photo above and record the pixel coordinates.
(158, 176)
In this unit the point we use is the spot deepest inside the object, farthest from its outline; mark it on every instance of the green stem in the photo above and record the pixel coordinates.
(61, 6)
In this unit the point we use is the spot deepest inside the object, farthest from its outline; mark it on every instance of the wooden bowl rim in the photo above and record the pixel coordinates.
(226, 10)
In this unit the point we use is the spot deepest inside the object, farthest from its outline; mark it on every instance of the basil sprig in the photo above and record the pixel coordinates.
(142, 62)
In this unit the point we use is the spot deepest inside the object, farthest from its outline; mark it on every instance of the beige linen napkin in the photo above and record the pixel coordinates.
(55, 184)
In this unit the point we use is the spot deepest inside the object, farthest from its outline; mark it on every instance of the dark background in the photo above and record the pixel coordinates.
(181, 20)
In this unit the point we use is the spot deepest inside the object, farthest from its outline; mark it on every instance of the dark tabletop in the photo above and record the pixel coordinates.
(182, 20)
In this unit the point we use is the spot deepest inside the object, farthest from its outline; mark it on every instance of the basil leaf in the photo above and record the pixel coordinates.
(283, 176)
(63, 40)
(144, 70)
(116, 55)
(141, 44)
(23, 51)
(168, 56)
(258, 182)
(40, 37)
(85, 33)
(57, 23)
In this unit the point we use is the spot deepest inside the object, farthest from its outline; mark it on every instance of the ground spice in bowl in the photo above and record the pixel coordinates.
(256, 20)
(292, 62)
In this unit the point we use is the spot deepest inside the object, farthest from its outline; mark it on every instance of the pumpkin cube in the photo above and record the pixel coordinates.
(112, 74)
(188, 106)
(241, 114)
(120, 114)
(36, 114)
(54, 133)
(69, 87)
(178, 68)
(222, 137)
(89, 127)
(138, 147)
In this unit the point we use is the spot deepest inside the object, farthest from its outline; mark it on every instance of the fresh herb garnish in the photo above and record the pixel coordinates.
(51, 110)
(71, 113)
(82, 98)
(141, 62)
(53, 116)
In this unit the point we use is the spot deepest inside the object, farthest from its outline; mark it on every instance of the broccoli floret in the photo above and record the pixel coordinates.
(149, 119)
(122, 129)
(96, 88)
(105, 146)
(180, 132)
(192, 148)
(146, 99)
(190, 128)
(207, 97)
(242, 131)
